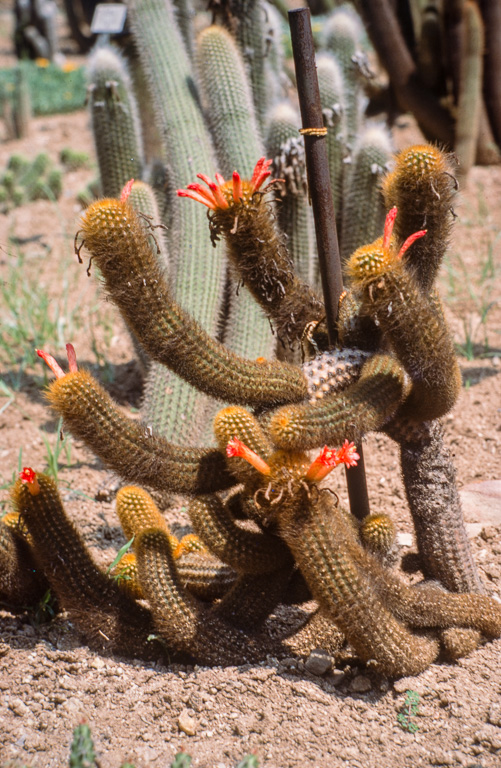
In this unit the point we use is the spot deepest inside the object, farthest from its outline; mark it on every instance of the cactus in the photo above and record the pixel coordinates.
(24, 181)
(339, 396)
(114, 120)
(272, 533)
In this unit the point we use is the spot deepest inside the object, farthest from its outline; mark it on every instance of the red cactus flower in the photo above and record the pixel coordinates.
(347, 454)
(328, 459)
(388, 231)
(54, 365)
(236, 448)
(126, 191)
(28, 477)
(222, 194)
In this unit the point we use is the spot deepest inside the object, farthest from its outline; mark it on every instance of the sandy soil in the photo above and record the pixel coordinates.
(279, 710)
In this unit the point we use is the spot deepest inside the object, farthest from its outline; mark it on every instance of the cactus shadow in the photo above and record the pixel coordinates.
(475, 375)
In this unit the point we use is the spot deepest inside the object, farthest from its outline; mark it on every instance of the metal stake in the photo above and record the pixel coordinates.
(320, 192)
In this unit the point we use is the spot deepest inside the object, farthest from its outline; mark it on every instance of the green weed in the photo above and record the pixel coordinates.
(30, 318)
(62, 446)
(470, 298)
(408, 711)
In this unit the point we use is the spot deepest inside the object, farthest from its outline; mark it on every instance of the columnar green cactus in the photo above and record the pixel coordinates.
(115, 120)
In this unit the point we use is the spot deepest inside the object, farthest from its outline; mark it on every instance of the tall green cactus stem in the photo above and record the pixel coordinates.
(230, 112)
(364, 406)
(227, 101)
(246, 551)
(422, 187)
(21, 580)
(343, 33)
(106, 616)
(128, 447)
(431, 489)
(249, 28)
(363, 210)
(333, 99)
(413, 323)
(276, 78)
(243, 215)
(117, 240)
(316, 536)
(185, 13)
(294, 212)
(470, 97)
(183, 622)
(114, 119)
(197, 285)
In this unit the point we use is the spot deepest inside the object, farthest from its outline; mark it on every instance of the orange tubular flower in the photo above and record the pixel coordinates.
(222, 194)
(236, 448)
(126, 191)
(28, 477)
(388, 231)
(328, 459)
(54, 365)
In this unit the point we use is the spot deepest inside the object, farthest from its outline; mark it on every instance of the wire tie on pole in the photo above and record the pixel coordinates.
(314, 131)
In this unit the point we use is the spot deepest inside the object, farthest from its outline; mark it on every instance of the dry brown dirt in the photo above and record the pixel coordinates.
(290, 718)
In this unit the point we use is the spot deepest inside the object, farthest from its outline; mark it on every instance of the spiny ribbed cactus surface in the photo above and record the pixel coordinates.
(363, 211)
(114, 120)
(343, 33)
(197, 278)
(294, 212)
(225, 88)
(332, 86)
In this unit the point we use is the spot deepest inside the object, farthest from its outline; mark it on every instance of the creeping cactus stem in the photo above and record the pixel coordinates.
(225, 193)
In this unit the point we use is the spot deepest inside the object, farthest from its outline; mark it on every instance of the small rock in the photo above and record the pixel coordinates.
(187, 724)
(439, 757)
(494, 716)
(336, 677)
(19, 707)
(318, 662)
(489, 737)
(360, 684)
(408, 684)
(404, 539)
(474, 529)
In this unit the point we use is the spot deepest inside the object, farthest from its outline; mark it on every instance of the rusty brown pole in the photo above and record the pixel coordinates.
(320, 192)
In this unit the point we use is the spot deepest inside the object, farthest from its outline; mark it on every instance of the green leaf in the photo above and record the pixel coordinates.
(121, 552)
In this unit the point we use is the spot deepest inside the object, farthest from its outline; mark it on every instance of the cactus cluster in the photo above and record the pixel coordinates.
(442, 63)
(265, 530)
(224, 91)
(24, 180)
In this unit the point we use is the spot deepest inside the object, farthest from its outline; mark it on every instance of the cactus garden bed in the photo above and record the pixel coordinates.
(289, 712)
